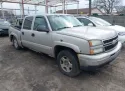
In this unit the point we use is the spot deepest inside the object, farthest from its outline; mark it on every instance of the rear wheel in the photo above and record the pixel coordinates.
(15, 43)
(68, 63)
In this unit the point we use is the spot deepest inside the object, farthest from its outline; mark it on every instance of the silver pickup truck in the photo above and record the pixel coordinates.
(75, 47)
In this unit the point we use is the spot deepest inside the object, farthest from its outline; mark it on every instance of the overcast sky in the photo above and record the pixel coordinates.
(83, 4)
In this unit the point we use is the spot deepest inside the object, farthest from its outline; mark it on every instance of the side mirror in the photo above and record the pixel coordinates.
(41, 28)
(90, 24)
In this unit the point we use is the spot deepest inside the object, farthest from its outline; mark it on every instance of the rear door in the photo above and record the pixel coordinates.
(26, 32)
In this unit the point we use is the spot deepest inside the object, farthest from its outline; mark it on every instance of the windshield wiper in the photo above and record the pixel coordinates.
(63, 28)
(77, 25)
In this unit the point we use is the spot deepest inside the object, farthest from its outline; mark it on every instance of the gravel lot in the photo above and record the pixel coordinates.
(25, 70)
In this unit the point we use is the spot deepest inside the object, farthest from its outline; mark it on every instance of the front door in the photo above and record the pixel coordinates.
(42, 40)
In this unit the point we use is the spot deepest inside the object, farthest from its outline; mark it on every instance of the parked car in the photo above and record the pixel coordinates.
(98, 22)
(4, 27)
(19, 21)
(63, 37)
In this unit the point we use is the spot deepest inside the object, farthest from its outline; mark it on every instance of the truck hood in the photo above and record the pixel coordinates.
(117, 28)
(89, 32)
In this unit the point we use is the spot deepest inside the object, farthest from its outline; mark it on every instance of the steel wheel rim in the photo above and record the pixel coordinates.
(66, 64)
(15, 43)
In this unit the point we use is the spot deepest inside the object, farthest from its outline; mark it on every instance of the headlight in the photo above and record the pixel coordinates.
(93, 46)
(95, 42)
(95, 51)
(121, 33)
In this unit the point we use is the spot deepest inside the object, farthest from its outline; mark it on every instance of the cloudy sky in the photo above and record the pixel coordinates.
(83, 4)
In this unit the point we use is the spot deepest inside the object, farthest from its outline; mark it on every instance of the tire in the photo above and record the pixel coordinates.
(15, 43)
(68, 63)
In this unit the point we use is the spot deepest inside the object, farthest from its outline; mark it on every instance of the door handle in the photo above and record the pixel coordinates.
(32, 34)
(22, 33)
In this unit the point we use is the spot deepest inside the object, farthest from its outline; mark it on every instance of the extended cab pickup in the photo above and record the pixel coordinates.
(63, 37)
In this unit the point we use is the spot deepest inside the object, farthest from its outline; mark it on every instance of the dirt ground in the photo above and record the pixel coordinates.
(25, 70)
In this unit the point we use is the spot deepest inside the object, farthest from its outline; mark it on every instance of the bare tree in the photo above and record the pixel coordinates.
(120, 9)
(106, 5)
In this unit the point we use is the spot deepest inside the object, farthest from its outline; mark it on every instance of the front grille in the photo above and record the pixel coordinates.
(5, 29)
(110, 40)
(110, 44)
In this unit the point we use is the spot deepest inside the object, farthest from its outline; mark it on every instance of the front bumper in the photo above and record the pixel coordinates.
(3, 31)
(99, 59)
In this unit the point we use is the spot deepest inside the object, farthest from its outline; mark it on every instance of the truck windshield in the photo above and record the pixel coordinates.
(59, 22)
(100, 21)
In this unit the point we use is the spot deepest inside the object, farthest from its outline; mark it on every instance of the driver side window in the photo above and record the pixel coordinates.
(40, 21)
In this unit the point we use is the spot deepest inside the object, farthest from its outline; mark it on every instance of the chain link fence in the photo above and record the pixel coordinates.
(117, 20)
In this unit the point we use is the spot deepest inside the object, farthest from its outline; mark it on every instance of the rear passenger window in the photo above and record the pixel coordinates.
(28, 23)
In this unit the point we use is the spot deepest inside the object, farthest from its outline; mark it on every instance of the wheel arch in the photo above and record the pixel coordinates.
(12, 36)
(64, 46)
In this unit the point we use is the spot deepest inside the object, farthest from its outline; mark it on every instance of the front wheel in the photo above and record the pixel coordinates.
(68, 63)
(15, 43)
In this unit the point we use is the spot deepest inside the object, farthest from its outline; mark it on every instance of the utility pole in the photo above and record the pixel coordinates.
(46, 7)
(2, 10)
(66, 7)
(55, 9)
(35, 9)
(90, 5)
(77, 7)
(63, 6)
(22, 9)
(28, 11)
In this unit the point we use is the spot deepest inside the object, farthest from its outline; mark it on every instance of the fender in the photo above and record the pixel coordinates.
(65, 44)
(17, 37)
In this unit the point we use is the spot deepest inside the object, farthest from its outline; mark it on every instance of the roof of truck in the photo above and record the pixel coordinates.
(45, 14)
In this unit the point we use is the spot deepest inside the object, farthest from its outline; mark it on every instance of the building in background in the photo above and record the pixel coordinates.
(83, 11)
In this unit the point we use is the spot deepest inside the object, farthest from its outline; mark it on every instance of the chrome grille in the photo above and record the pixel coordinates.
(110, 43)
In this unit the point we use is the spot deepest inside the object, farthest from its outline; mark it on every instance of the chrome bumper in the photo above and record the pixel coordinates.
(99, 59)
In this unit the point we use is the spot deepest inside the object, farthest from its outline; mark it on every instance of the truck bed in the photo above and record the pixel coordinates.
(16, 31)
